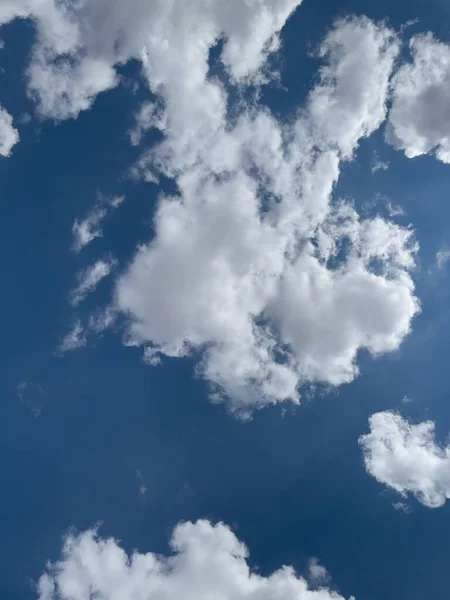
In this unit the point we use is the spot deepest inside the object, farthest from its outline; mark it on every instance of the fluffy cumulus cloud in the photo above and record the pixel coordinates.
(89, 278)
(208, 561)
(255, 265)
(9, 136)
(79, 45)
(407, 458)
(419, 119)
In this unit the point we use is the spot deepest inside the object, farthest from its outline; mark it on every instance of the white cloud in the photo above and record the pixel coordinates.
(402, 507)
(419, 118)
(395, 210)
(79, 45)
(208, 561)
(115, 201)
(142, 485)
(62, 90)
(318, 576)
(9, 136)
(61, 77)
(442, 258)
(11, 9)
(253, 263)
(74, 339)
(102, 319)
(89, 228)
(31, 395)
(149, 116)
(89, 278)
(350, 102)
(406, 458)
(378, 164)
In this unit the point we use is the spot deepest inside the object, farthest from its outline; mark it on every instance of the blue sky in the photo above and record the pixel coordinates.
(280, 330)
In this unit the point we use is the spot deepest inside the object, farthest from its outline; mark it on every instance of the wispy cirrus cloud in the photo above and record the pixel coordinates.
(442, 257)
(89, 278)
(90, 227)
(74, 339)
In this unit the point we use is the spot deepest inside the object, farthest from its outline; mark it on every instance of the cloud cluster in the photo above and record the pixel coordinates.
(208, 561)
(253, 263)
(80, 44)
(419, 119)
(406, 458)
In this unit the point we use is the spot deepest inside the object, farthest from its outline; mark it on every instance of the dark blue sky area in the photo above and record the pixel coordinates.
(293, 487)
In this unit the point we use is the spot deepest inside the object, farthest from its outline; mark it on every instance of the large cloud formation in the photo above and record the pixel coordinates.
(419, 119)
(406, 458)
(79, 44)
(254, 265)
(208, 562)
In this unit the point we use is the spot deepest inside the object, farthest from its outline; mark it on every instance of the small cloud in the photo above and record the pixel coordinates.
(377, 164)
(89, 228)
(102, 319)
(21, 387)
(401, 506)
(149, 116)
(9, 136)
(408, 24)
(31, 395)
(406, 457)
(89, 278)
(442, 258)
(116, 201)
(74, 339)
(406, 400)
(142, 487)
(103, 200)
(382, 202)
(317, 574)
(24, 119)
(395, 210)
(152, 356)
